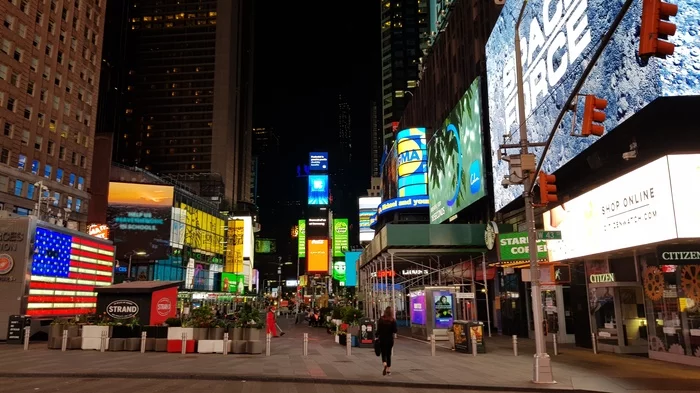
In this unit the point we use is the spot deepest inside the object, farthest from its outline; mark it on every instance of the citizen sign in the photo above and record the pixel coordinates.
(122, 309)
(680, 255)
(601, 278)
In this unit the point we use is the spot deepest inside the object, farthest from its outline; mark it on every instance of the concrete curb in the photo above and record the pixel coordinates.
(291, 379)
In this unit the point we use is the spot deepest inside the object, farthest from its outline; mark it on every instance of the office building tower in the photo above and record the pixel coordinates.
(344, 139)
(189, 94)
(405, 33)
(376, 146)
(50, 56)
(266, 148)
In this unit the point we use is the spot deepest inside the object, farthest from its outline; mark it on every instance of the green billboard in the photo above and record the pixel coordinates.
(341, 236)
(514, 247)
(232, 282)
(302, 239)
(455, 159)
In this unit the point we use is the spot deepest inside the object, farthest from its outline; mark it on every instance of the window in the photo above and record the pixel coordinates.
(57, 79)
(59, 175)
(15, 79)
(62, 36)
(25, 137)
(60, 57)
(43, 96)
(52, 27)
(11, 104)
(34, 64)
(65, 130)
(49, 49)
(35, 167)
(30, 88)
(78, 202)
(9, 22)
(47, 72)
(69, 87)
(66, 108)
(19, 185)
(28, 113)
(56, 102)
(38, 141)
(21, 162)
(30, 191)
(19, 54)
(20, 211)
(37, 40)
(22, 30)
(5, 156)
(62, 152)
(4, 182)
(71, 180)
(6, 46)
(40, 119)
(51, 147)
(24, 6)
(8, 130)
(47, 171)
(81, 183)
(69, 202)
(83, 162)
(74, 158)
(3, 72)
(52, 125)
(56, 198)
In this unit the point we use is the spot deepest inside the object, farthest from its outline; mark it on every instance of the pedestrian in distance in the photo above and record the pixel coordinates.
(386, 329)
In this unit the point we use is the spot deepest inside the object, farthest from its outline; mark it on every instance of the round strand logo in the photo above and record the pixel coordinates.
(6, 264)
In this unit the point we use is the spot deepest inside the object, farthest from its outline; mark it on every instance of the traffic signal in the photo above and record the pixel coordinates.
(548, 190)
(655, 15)
(593, 116)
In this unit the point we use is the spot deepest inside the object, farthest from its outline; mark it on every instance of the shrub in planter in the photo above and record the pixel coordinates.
(156, 331)
(216, 332)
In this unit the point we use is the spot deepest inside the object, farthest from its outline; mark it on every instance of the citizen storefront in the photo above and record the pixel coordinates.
(636, 241)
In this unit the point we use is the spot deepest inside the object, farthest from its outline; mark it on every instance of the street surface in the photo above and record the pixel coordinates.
(328, 366)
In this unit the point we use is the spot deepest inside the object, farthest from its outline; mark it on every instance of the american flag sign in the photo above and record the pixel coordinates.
(65, 270)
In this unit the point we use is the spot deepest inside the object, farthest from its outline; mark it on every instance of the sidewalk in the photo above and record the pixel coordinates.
(327, 363)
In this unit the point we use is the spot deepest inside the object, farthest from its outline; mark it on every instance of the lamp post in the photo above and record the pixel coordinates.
(131, 254)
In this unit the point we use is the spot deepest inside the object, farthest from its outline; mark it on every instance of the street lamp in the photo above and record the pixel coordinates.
(131, 254)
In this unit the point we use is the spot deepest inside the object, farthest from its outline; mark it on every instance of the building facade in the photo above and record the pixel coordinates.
(50, 55)
(376, 134)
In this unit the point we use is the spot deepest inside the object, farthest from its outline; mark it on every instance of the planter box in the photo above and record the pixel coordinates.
(342, 339)
(151, 344)
(93, 343)
(217, 333)
(124, 331)
(117, 344)
(238, 346)
(132, 344)
(175, 346)
(156, 331)
(57, 330)
(236, 334)
(254, 347)
(200, 334)
(212, 346)
(251, 334)
(161, 345)
(354, 330)
(175, 333)
(92, 331)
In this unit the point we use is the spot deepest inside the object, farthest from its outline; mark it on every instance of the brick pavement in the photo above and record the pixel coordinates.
(414, 367)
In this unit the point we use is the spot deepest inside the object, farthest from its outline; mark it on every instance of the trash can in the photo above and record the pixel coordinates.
(367, 329)
(476, 328)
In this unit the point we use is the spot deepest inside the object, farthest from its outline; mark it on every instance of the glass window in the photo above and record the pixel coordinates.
(35, 167)
(56, 198)
(81, 183)
(78, 202)
(47, 171)
(19, 184)
(22, 162)
(69, 202)
(59, 175)
(30, 191)
(71, 180)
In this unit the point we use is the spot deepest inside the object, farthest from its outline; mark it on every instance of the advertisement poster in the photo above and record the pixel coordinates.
(351, 258)
(368, 208)
(339, 271)
(265, 246)
(412, 162)
(341, 236)
(318, 190)
(203, 231)
(232, 283)
(514, 246)
(455, 159)
(443, 309)
(234, 252)
(138, 216)
(317, 260)
(301, 239)
(318, 161)
(418, 308)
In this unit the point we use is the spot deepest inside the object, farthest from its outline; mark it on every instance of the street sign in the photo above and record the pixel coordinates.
(548, 235)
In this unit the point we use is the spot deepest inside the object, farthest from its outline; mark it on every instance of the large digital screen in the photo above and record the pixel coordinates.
(232, 282)
(438, 12)
(341, 236)
(301, 239)
(203, 231)
(318, 161)
(444, 310)
(351, 258)
(248, 238)
(412, 162)
(138, 216)
(455, 159)
(368, 209)
(418, 308)
(265, 246)
(557, 42)
(317, 258)
(389, 182)
(235, 246)
(318, 190)
(339, 271)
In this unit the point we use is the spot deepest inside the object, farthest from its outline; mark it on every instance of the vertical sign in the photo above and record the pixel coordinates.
(238, 245)
(341, 236)
(302, 239)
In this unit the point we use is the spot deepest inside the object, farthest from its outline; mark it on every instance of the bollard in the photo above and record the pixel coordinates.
(348, 345)
(267, 344)
(26, 338)
(554, 344)
(306, 344)
(473, 344)
(515, 345)
(143, 342)
(225, 350)
(432, 344)
(64, 341)
(103, 341)
(595, 343)
(184, 343)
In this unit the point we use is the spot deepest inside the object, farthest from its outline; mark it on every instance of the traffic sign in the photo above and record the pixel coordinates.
(548, 235)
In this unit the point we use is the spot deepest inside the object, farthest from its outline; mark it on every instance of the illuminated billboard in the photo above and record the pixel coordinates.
(368, 209)
(455, 159)
(265, 246)
(235, 243)
(558, 39)
(341, 236)
(203, 231)
(138, 216)
(318, 190)
(248, 239)
(301, 239)
(317, 258)
(318, 161)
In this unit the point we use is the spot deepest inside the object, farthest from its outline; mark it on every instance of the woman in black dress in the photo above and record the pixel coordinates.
(386, 328)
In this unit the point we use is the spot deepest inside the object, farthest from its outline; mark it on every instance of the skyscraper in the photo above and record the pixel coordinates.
(344, 133)
(189, 93)
(50, 56)
(376, 145)
(405, 33)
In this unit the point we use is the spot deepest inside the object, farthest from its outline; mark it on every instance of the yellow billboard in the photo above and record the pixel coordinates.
(203, 231)
(234, 251)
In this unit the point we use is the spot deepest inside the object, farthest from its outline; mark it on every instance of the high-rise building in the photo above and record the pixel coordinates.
(188, 66)
(266, 147)
(50, 56)
(376, 146)
(344, 133)
(405, 34)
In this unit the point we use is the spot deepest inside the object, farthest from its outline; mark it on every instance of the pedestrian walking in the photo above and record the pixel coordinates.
(386, 329)
(272, 327)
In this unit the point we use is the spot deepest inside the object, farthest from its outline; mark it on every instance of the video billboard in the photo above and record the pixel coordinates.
(265, 246)
(318, 190)
(317, 260)
(248, 239)
(368, 209)
(351, 259)
(318, 161)
(341, 236)
(235, 243)
(301, 239)
(455, 159)
(557, 41)
(232, 283)
(138, 216)
(203, 231)
(339, 271)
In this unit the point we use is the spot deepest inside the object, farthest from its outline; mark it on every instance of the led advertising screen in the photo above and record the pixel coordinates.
(455, 159)
(203, 231)
(558, 39)
(301, 239)
(265, 246)
(248, 238)
(351, 259)
(318, 161)
(418, 308)
(318, 190)
(232, 282)
(138, 216)
(444, 311)
(317, 260)
(339, 271)
(368, 209)
(341, 236)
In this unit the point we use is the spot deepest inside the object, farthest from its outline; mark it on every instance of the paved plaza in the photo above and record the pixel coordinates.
(327, 363)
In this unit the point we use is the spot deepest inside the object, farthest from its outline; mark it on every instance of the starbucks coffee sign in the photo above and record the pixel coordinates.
(601, 278)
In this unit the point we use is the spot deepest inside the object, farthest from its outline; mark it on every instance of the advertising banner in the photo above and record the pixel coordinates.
(317, 260)
(514, 247)
(235, 243)
(138, 216)
(368, 209)
(318, 190)
(301, 239)
(412, 160)
(418, 308)
(318, 161)
(558, 39)
(444, 311)
(248, 238)
(232, 283)
(203, 231)
(341, 236)
(265, 246)
(455, 159)
(389, 183)
(339, 269)
(351, 258)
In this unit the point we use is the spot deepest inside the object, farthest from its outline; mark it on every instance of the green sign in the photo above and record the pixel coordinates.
(232, 282)
(339, 271)
(341, 236)
(455, 159)
(549, 235)
(302, 238)
(514, 247)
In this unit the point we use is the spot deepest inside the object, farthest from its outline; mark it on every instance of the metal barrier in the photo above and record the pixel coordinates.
(225, 350)
(64, 340)
(184, 343)
(554, 343)
(432, 344)
(348, 345)
(515, 345)
(595, 343)
(103, 341)
(26, 338)
(268, 338)
(306, 344)
(473, 340)
(143, 342)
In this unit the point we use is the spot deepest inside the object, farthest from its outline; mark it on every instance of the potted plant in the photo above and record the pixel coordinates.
(216, 332)
(133, 339)
(235, 330)
(252, 322)
(202, 319)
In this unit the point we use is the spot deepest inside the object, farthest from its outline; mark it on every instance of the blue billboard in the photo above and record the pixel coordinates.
(351, 267)
(558, 38)
(318, 161)
(412, 162)
(318, 190)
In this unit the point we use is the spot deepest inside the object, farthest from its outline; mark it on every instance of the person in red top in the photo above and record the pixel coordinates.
(271, 322)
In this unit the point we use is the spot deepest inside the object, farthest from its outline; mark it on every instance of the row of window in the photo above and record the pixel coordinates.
(76, 158)
(59, 176)
(23, 189)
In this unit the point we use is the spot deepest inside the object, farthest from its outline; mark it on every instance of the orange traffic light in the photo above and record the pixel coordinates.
(593, 116)
(548, 190)
(655, 15)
